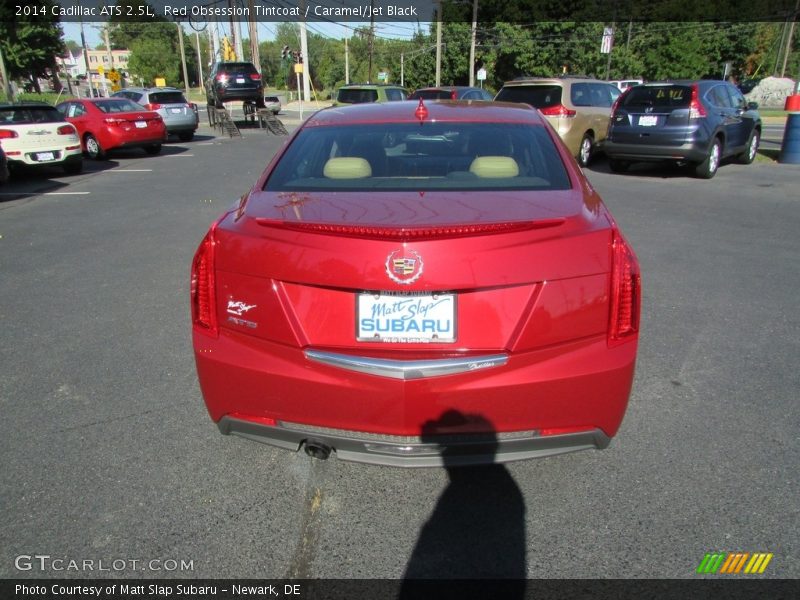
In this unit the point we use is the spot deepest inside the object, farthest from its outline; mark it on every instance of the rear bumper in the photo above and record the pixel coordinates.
(417, 451)
(691, 152)
(557, 399)
(62, 156)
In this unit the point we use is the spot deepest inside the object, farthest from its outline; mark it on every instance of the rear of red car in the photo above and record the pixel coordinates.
(425, 302)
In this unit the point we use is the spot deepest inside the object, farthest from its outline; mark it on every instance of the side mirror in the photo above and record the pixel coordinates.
(752, 105)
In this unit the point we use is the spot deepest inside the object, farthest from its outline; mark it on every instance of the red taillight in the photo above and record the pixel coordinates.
(696, 108)
(255, 76)
(453, 95)
(204, 314)
(114, 121)
(559, 110)
(152, 106)
(626, 287)
(7, 134)
(66, 130)
(617, 103)
(221, 77)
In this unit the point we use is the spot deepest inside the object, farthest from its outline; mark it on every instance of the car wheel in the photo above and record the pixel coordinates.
(618, 166)
(153, 149)
(585, 151)
(708, 168)
(73, 168)
(186, 136)
(93, 148)
(749, 155)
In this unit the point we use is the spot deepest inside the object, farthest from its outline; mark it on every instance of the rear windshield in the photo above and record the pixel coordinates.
(237, 67)
(431, 156)
(432, 95)
(167, 98)
(538, 96)
(117, 105)
(357, 96)
(20, 115)
(662, 96)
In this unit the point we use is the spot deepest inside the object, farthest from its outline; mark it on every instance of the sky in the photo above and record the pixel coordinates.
(266, 30)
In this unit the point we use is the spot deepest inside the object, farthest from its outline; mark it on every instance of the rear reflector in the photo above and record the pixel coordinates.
(7, 134)
(625, 292)
(66, 130)
(203, 298)
(254, 419)
(563, 430)
(403, 234)
(559, 110)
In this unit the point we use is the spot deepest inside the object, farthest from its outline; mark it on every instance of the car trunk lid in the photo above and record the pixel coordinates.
(653, 114)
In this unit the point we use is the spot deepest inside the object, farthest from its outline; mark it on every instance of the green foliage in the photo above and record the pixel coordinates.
(150, 59)
(30, 47)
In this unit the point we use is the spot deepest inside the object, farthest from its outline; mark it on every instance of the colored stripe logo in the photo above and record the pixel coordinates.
(732, 563)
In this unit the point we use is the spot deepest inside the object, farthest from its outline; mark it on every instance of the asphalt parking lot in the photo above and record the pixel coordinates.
(109, 455)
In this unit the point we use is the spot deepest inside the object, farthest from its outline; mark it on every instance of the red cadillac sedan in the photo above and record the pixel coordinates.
(418, 285)
(104, 124)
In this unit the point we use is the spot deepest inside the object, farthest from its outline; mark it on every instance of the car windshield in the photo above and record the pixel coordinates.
(237, 68)
(432, 95)
(414, 156)
(167, 97)
(352, 96)
(21, 115)
(538, 96)
(662, 97)
(117, 105)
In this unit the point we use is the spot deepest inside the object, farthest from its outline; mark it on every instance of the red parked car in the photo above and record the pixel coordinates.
(418, 285)
(108, 123)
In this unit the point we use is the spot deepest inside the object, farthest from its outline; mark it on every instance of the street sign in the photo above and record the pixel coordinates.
(608, 40)
(383, 76)
(298, 68)
(101, 70)
(481, 74)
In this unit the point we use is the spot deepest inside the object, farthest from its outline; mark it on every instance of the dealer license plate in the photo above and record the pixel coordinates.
(406, 318)
(141, 124)
(648, 120)
(44, 156)
(176, 111)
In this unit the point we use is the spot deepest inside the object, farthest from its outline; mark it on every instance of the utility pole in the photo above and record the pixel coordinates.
(789, 39)
(233, 30)
(438, 44)
(199, 62)
(183, 58)
(402, 82)
(305, 60)
(347, 63)
(86, 58)
(253, 34)
(371, 39)
(472, 43)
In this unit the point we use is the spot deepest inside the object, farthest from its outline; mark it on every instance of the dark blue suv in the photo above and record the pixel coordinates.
(699, 123)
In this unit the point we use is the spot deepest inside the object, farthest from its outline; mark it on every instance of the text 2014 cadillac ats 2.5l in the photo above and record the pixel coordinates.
(418, 285)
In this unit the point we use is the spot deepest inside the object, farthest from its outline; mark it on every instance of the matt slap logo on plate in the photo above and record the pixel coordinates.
(404, 266)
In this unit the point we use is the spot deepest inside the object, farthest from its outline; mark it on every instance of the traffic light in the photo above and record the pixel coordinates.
(286, 52)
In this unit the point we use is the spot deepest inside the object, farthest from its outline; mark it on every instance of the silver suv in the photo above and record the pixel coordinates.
(179, 115)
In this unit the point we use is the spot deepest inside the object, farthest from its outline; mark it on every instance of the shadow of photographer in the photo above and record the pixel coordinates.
(477, 529)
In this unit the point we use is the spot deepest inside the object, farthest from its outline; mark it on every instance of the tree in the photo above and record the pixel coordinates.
(150, 59)
(30, 48)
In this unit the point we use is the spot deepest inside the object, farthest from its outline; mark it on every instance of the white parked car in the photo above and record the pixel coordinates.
(35, 134)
